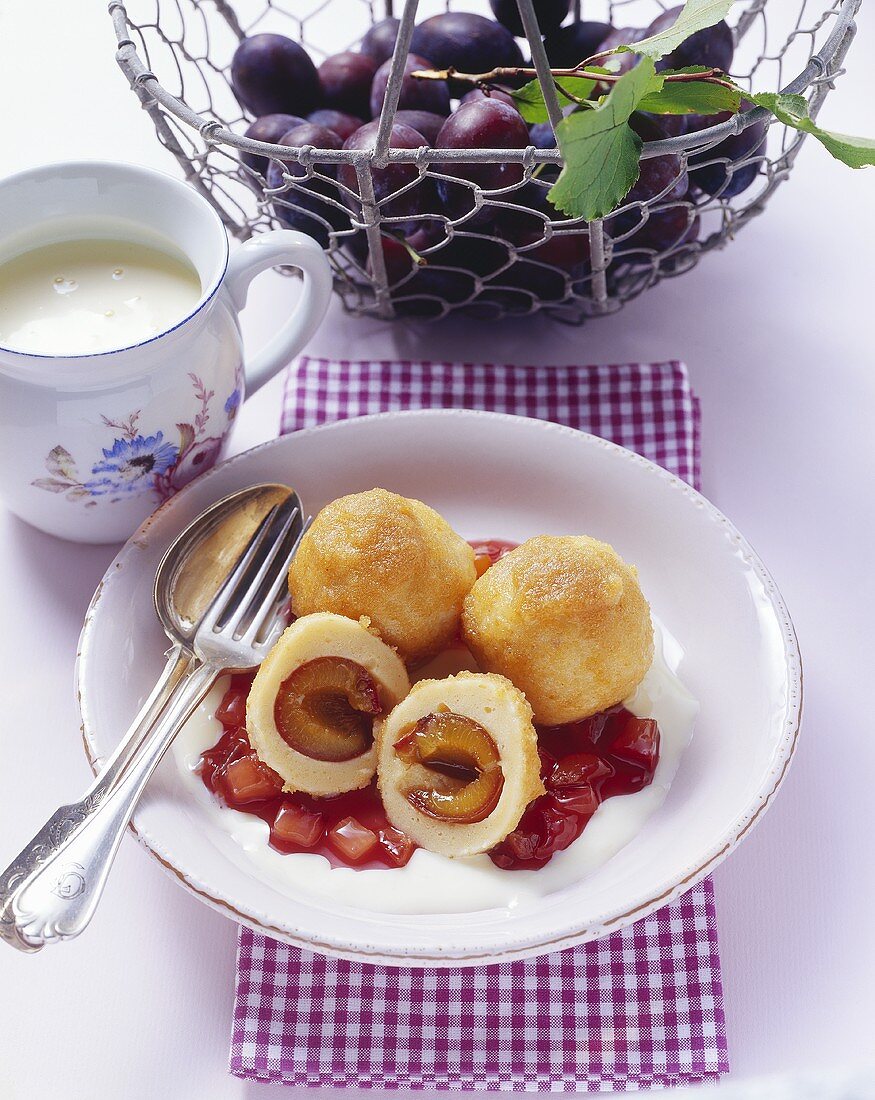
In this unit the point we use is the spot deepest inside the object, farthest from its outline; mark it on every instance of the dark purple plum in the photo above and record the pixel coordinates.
(550, 14)
(379, 42)
(478, 255)
(621, 36)
(493, 93)
(523, 219)
(416, 95)
(664, 229)
(542, 283)
(271, 74)
(346, 80)
(570, 45)
(310, 133)
(342, 124)
(662, 180)
(387, 181)
(268, 128)
(568, 251)
(712, 46)
(668, 125)
(468, 43)
(481, 124)
(724, 179)
(426, 122)
(657, 173)
(304, 208)
(541, 135)
(420, 290)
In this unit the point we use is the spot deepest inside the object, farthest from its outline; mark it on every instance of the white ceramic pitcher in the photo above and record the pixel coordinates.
(91, 444)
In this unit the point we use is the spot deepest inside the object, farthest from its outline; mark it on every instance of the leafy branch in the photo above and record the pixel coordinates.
(600, 149)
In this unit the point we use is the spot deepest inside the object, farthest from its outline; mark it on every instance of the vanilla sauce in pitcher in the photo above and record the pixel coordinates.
(86, 296)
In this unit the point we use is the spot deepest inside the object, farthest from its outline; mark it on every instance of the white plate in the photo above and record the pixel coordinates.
(505, 477)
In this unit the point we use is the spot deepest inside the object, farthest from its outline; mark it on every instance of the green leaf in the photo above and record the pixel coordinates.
(601, 150)
(530, 98)
(792, 110)
(696, 16)
(694, 97)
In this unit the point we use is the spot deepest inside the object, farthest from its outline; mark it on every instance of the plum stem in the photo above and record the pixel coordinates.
(710, 76)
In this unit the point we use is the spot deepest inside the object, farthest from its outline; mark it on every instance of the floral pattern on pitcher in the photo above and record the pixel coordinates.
(138, 463)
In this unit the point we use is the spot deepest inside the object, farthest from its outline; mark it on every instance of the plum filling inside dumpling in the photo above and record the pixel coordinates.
(459, 777)
(326, 708)
(316, 701)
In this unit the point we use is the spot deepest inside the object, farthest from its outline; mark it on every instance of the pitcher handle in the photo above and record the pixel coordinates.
(265, 250)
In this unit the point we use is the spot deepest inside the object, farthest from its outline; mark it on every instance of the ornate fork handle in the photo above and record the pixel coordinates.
(67, 882)
(58, 900)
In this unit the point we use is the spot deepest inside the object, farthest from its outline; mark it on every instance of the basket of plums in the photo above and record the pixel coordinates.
(496, 158)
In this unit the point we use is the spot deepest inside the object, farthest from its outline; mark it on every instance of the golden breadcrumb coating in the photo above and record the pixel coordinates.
(501, 709)
(307, 639)
(563, 617)
(391, 558)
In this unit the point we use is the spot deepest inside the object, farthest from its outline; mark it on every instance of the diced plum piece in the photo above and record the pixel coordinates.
(296, 825)
(544, 829)
(397, 847)
(231, 712)
(560, 828)
(351, 840)
(582, 800)
(248, 780)
(637, 741)
(579, 769)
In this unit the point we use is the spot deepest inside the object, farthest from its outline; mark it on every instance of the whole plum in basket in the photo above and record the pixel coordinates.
(468, 43)
(501, 234)
(271, 74)
(397, 187)
(549, 13)
(380, 40)
(268, 128)
(346, 80)
(304, 207)
(416, 95)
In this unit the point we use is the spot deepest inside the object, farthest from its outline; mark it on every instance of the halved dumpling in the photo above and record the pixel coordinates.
(458, 762)
(313, 704)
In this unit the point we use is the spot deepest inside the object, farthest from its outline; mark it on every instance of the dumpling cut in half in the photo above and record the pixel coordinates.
(313, 704)
(564, 618)
(458, 763)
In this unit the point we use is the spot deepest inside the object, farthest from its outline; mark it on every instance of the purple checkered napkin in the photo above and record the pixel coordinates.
(640, 1008)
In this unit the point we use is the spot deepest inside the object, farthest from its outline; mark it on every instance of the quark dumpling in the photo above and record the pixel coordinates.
(392, 559)
(314, 702)
(563, 617)
(458, 763)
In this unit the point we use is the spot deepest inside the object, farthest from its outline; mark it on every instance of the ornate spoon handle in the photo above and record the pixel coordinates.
(58, 900)
(67, 819)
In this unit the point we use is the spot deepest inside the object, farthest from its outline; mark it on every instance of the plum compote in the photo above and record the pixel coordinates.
(582, 764)
(349, 830)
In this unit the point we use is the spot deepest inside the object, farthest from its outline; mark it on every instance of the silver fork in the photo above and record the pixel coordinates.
(57, 901)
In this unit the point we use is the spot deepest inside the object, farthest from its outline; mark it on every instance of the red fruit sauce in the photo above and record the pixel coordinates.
(582, 764)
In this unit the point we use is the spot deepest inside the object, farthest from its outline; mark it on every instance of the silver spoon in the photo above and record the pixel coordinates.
(189, 576)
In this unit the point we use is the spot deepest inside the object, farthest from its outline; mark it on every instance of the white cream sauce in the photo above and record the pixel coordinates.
(434, 884)
(93, 295)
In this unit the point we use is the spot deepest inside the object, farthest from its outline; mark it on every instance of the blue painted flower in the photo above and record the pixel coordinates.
(130, 464)
(232, 405)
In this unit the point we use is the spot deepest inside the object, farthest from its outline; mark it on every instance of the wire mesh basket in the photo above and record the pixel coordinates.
(398, 247)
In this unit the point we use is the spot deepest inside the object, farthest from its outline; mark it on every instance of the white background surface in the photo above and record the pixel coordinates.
(777, 333)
